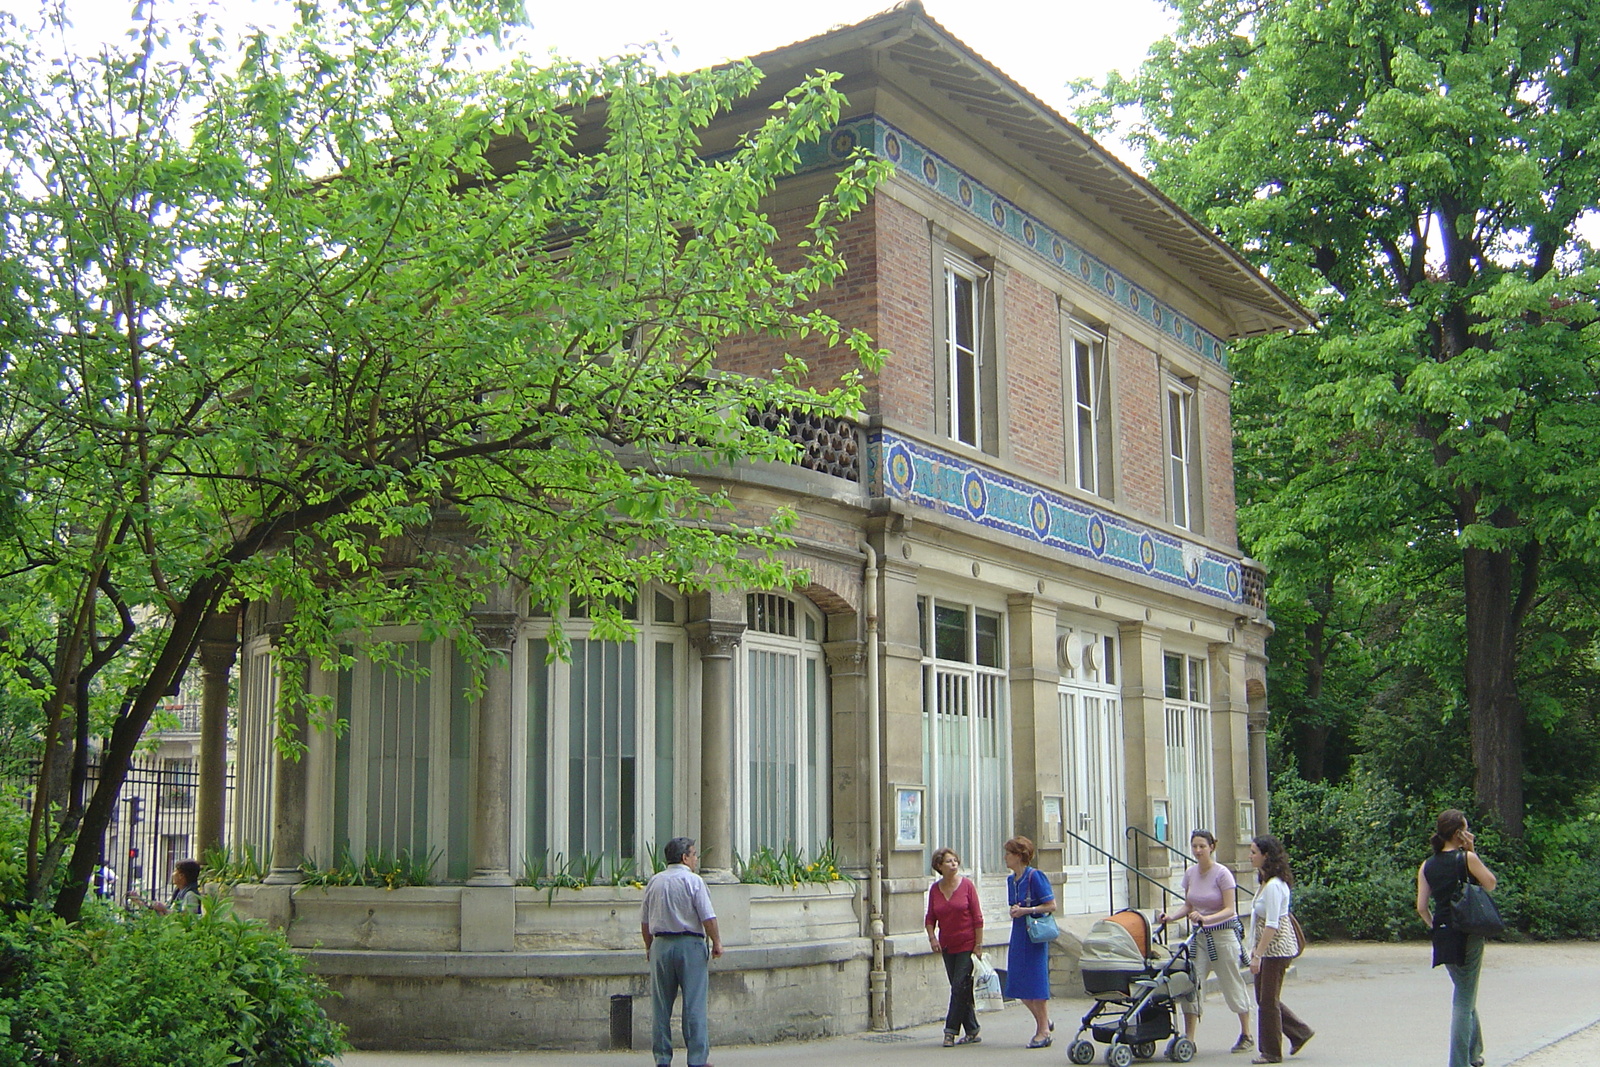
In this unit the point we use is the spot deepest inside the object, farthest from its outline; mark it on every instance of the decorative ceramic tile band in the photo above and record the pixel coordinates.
(935, 173)
(914, 472)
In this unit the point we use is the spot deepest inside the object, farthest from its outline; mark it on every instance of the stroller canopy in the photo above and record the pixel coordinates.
(1111, 946)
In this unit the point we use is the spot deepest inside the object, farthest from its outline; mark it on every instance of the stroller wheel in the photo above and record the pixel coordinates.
(1144, 1050)
(1181, 1050)
(1119, 1055)
(1080, 1052)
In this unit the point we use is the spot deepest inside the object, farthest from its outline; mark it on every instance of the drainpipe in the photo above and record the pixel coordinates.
(878, 980)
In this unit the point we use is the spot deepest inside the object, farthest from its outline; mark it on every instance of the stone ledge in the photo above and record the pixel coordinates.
(378, 963)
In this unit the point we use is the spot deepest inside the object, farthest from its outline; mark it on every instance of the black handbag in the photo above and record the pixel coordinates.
(1473, 911)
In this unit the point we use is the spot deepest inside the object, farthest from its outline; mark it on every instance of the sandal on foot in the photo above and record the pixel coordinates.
(1041, 1042)
(949, 1040)
(1245, 1043)
(970, 1039)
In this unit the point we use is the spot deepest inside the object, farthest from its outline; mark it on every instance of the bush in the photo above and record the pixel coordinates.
(1355, 847)
(183, 991)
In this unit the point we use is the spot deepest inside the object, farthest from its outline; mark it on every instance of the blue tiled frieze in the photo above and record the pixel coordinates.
(936, 174)
(919, 474)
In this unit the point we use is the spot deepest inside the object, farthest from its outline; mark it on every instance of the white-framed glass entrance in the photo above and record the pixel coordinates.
(1092, 765)
(966, 730)
(1188, 746)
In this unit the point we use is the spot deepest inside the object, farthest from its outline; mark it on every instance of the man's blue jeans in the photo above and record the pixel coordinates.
(680, 964)
(1466, 1036)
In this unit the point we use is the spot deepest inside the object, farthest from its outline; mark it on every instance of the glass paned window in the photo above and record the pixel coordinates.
(399, 766)
(1180, 456)
(966, 765)
(1188, 728)
(783, 728)
(602, 735)
(965, 297)
(1091, 410)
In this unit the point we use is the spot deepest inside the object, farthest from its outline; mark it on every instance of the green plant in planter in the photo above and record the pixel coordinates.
(379, 868)
(229, 867)
(787, 866)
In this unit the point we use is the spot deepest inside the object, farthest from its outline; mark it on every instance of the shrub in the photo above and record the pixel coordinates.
(1355, 846)
(183, 990)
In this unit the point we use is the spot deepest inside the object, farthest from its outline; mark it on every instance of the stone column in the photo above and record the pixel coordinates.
(1230, 746)
(491, 808)
(1144, 720)
(718, 642)
(1258, 770)
(1036, 755)
(219, 647)
(290, 786)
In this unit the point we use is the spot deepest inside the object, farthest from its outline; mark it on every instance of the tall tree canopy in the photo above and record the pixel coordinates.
(1419, 174)
(354, 316)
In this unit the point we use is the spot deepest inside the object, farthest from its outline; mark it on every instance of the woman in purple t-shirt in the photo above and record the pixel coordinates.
(1208, 900)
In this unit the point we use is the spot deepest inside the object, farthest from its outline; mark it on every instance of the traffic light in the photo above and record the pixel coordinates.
(135, 811)
(133, 853)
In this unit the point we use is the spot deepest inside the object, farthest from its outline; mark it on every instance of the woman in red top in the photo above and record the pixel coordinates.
(955, 928)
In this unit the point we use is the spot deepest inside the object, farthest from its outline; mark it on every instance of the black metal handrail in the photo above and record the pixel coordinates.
(1187, 861)
(1112, 862)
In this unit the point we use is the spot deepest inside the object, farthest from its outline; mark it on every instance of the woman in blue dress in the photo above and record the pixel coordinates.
(1028, 963)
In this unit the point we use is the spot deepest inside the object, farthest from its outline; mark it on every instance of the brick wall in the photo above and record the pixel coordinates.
(1033, 377)
(1216, 440)
(905, 314)
(1138, 400)
(852, 301)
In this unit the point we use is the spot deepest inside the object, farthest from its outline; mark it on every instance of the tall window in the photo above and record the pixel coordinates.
(964, 729)
(1182, 486)
(1189, 786)
(1091, 409)
(784, 728)
(602, 775)
(967, 376)
(401, 769)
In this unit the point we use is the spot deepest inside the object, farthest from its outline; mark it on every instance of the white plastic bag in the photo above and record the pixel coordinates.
(986, 992)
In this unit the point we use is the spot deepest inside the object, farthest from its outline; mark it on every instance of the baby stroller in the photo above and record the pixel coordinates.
(1134, 985)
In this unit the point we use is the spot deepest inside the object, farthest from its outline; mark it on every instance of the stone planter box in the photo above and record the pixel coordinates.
(795, 965)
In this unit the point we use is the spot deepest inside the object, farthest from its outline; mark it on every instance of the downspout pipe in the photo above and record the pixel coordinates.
(878, 979)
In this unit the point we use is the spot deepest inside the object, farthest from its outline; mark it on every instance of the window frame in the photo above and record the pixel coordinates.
(812, 735)
(952, 259)
(983, 682)
(1098, 441)
(1180, 424)
(651, 635)
(1189, 712)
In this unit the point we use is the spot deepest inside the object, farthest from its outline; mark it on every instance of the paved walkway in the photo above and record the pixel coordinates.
(1371, 1005)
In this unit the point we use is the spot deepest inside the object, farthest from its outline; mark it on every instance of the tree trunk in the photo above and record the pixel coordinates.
(1493, 613)
(183, 638)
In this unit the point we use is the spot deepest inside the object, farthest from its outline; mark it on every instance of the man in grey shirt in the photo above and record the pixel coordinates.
(680, 939)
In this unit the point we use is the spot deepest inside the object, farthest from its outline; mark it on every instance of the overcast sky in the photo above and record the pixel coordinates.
(1039, 43)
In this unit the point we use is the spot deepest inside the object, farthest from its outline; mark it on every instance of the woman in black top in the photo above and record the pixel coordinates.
(1441, 879)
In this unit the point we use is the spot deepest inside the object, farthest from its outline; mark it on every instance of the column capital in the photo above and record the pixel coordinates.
(496, 629)
(846, 657)
(715, 639)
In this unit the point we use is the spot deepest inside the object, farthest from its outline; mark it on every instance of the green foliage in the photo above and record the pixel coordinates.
(584, 870)
(369, 316)
(378, 868)
(1355, 848)
(158, 991)
(229, 867)
(787, 866)
(1419, 471)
